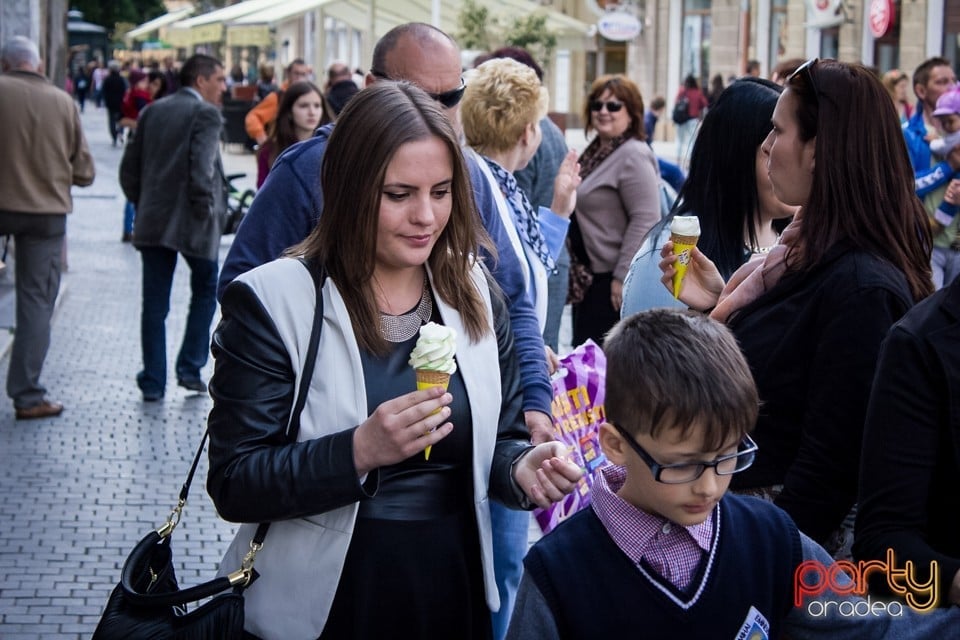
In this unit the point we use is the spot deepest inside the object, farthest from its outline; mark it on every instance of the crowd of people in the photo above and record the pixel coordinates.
(800, 410)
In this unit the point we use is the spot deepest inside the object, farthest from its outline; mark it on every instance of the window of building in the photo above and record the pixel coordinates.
(695, 41)
(778, 31)
(951, 32)
(886, 50)
(830, 42)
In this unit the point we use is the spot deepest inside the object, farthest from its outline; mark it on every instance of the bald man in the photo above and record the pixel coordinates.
(340, 86)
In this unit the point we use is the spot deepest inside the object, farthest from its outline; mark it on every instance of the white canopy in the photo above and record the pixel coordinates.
(154, 25)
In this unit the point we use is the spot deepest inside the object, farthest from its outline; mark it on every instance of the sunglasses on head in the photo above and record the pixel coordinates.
(612, 106)
(448, 99)
(805, 71)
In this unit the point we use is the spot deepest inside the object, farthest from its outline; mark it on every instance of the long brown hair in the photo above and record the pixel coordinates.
(863, 189)
(371, 128)
(282, 131)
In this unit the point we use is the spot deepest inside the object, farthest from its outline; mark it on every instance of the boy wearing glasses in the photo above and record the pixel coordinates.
(663, 545)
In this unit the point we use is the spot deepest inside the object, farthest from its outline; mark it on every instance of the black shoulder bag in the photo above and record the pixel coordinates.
(148, 603)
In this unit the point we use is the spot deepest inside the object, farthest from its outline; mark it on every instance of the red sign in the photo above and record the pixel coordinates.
(882, 13)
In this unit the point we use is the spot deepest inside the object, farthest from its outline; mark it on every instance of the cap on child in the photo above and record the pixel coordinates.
(948, 103)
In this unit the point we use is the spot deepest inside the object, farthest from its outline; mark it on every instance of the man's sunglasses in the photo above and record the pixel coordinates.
(612, 107)
(448, 99)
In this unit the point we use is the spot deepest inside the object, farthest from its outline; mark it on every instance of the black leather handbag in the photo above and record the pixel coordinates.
(149, 604)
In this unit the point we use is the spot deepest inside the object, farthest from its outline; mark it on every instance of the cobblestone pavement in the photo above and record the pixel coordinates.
(78, 491)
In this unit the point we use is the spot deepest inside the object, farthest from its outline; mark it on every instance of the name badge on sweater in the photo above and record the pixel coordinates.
(755, 627)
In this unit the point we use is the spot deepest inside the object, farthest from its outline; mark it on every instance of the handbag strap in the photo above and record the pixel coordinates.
(241, 577)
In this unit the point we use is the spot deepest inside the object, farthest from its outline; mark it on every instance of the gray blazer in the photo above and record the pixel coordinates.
(172, 171)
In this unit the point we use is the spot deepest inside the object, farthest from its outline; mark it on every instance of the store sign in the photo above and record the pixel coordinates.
(249, 35)
(619, 25)
(822, 14)
(882, 13)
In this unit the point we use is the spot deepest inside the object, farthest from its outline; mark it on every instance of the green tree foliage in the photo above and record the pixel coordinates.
(478, 30)
(107, 13)
(531, 33)
(474, 24)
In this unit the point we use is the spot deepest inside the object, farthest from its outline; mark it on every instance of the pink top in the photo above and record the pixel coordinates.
(672, 550)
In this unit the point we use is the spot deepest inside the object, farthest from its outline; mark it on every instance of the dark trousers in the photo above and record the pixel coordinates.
(38, 239)
(158, 267)
(595, 315)
(113, 120)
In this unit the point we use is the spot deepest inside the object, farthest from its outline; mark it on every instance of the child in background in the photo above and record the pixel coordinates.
(663, 546)
(948, 114)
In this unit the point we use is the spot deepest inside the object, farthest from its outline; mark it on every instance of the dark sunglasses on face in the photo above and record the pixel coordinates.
(448, 99)
(612, 107)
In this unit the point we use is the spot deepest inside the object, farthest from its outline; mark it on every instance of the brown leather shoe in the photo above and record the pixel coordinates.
(45, 409)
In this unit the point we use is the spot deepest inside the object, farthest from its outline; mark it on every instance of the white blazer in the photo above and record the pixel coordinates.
(302, 559)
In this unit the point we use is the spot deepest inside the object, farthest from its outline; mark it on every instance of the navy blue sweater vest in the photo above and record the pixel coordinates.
(595, 591)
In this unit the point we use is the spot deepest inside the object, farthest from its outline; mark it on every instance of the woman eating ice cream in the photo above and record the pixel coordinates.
(368, 537)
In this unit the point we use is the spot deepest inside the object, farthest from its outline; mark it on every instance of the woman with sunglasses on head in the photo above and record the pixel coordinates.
(617, 203)
(810, 315)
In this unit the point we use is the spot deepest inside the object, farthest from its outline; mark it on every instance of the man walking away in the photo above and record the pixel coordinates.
(48, 153)
(172, 172)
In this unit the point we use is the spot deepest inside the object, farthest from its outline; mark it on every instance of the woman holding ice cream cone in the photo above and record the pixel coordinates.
(370, 538)
(811, 313)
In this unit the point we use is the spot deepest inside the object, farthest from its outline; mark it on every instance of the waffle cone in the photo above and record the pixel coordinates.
(677, 239)
(428, 379)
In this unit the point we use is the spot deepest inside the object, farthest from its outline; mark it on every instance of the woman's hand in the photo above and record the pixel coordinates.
(702, 282)
(616, 293)
(545, 474)
(553, 361)
(401, 428)
(565, 186)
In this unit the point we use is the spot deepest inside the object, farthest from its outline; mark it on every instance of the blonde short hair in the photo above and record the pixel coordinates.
(502, 97)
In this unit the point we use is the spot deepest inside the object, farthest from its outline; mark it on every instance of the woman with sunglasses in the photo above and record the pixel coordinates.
(617, 203)
(810, 315)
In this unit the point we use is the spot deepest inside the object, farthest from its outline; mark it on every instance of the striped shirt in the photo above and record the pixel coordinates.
(670, 549)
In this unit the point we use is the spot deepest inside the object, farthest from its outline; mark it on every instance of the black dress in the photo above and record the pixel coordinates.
(413, 567)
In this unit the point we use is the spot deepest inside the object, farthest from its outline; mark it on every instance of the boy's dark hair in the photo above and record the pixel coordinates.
(657, 103)
(196, 66)
(673, 369)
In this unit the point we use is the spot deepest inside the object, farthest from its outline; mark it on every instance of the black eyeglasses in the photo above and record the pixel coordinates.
(612, 107)
(683, 472)
(806, 72)
(449, 99)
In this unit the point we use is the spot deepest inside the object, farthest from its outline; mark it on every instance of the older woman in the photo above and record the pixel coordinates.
(811, 314)
(501, 112)
(354, 501)
(617, 204)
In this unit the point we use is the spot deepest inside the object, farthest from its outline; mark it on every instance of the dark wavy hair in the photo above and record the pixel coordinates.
(627, 92)
(863, 188)
(721, 186)
(375, 123)
(282, 132)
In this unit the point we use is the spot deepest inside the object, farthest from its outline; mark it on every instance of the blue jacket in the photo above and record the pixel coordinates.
(926, 178)
(288, 206)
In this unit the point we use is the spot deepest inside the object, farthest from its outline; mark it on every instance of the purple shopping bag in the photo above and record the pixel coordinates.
(578, 412)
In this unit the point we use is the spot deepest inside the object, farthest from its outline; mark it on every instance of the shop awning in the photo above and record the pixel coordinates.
(253, 29)
(209, 27)
(150, 27)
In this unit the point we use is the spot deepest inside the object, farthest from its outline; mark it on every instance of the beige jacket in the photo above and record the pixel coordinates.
(44, 143)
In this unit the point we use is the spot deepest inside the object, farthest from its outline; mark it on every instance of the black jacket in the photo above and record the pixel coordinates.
(911, 446)
(812, 343)
(113, 88)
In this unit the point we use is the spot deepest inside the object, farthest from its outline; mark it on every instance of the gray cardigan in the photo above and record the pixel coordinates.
(617, 204)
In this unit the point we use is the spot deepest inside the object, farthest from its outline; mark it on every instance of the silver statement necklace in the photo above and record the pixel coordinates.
(403, 327)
